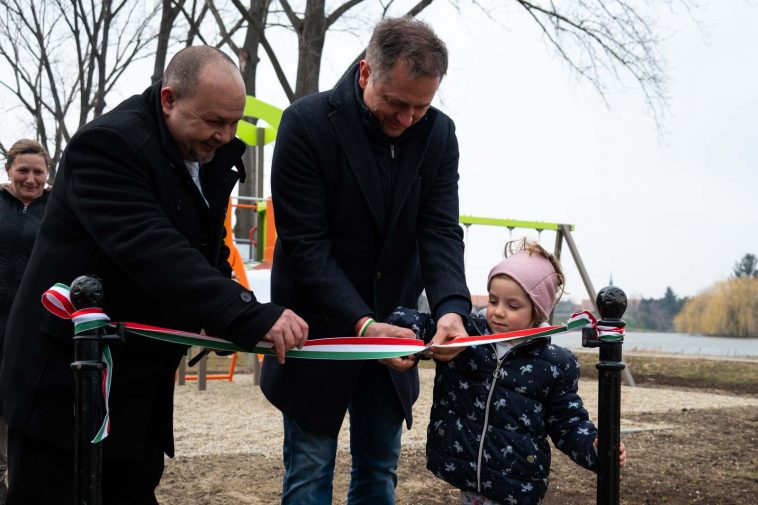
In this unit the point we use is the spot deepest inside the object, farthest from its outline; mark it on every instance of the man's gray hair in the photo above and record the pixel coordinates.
(406, 39)
(183, 70)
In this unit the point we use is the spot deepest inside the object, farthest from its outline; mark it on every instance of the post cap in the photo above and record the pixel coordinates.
(87, 291)
(611, 302)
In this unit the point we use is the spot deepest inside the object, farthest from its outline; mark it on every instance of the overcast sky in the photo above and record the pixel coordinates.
(537, 144)
(651, 208)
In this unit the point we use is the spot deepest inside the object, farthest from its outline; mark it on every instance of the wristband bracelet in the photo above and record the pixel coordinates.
(365, 326)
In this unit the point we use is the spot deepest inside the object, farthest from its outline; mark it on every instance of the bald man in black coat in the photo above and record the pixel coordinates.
(139, 201)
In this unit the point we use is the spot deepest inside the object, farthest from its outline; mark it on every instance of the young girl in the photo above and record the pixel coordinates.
(495, 405)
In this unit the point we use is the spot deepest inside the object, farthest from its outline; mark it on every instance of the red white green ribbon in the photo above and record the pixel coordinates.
(57, 301)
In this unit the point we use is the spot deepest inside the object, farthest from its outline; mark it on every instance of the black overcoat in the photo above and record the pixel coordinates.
(125, 209)
(341, 254)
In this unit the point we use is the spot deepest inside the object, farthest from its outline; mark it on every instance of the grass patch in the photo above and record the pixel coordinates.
(675, 371)
(733, 376)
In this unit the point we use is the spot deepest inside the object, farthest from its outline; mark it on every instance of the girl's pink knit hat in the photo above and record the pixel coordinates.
(536, 276)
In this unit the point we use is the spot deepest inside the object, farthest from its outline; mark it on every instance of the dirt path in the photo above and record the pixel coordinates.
(701, 450)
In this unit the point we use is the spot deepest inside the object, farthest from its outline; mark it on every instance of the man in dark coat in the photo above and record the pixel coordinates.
(365, 189)
(139, 201)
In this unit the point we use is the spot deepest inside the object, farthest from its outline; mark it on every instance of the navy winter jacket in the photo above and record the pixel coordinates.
(490, 436)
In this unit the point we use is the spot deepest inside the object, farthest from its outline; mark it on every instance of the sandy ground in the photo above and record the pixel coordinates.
(685, 447)
(251, 425)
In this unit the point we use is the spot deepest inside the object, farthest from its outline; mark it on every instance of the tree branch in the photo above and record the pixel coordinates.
(297, 23)
(339, 11)
(269, 52)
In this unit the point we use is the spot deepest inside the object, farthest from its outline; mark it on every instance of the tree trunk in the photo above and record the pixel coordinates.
(310, 47)
(248, 60)
(168, 17)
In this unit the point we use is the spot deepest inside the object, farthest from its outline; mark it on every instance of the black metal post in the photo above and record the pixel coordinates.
(87, 366)
(611, 304)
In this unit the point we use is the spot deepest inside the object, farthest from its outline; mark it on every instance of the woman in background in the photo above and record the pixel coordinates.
(22, 204)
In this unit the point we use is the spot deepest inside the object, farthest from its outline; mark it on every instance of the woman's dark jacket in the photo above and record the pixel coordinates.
(365, 223)
(18, 227)
(489, 436)
(124, 208)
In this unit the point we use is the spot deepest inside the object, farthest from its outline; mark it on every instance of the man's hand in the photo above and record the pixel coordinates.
(449, 327)
(288, 332)
(401, 364)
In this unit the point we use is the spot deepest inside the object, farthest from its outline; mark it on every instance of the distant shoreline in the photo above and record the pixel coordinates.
(676, 355)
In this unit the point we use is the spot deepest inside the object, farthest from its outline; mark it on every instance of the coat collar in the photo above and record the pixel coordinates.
(6, 193)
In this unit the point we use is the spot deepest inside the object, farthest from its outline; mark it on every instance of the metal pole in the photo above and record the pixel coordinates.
(181, 372)
(256, 370)
(557, 254)
(259, 146)
(202, 373)
(611, 303)
(565, 230)
(87, 366)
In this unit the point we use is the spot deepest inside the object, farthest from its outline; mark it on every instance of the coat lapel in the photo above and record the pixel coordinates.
(412, 156)
(219, 177)
(355, 145)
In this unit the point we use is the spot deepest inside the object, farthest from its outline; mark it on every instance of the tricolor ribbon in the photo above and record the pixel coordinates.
(57, 300)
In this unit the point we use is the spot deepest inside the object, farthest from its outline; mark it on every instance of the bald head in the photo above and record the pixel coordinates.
(203, 99)
(183, 71)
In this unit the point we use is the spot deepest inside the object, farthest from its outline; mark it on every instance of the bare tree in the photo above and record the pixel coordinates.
(170, 10)
(60, 88)
(253, 17)
(189, 24)
(311, 27)
(602, 39)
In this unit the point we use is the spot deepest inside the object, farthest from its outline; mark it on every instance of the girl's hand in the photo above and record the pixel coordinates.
(449, 326)
(377, 329)
(622, 452)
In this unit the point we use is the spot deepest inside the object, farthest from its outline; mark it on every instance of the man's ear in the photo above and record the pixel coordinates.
(168, 99)
(364, 73)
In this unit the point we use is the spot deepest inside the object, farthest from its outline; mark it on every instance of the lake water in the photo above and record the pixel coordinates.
(679, 343)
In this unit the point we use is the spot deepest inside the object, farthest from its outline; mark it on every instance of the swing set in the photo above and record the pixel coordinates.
(562, 232)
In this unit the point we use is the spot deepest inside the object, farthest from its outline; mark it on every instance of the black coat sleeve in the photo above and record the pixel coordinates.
(440, 237)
